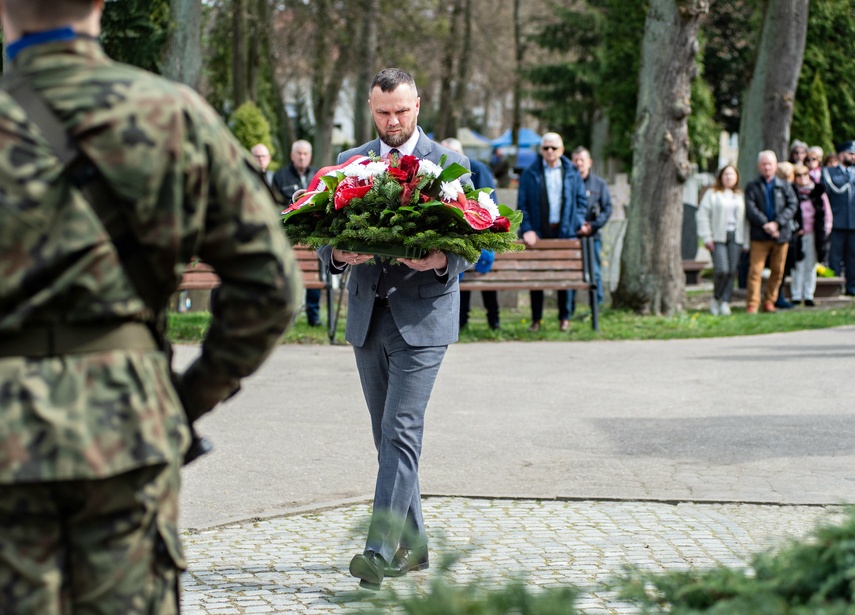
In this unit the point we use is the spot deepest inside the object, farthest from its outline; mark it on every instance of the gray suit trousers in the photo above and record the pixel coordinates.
(397, 380)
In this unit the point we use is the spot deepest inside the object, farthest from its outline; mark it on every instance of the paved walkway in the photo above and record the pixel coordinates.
(298, 563)
(661, 454)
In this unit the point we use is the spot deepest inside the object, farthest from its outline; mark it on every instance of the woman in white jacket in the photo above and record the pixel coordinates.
(721, 226)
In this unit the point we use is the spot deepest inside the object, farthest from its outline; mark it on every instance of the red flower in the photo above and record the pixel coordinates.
(410, 166)
(501, 225)
(350, 188)
(477, 217)
(398, 174)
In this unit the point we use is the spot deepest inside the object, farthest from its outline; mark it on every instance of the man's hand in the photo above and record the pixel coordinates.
(434, 260)
(772, 229)
(585, 229)
(529, 238)
(710, 246)
(341, 258)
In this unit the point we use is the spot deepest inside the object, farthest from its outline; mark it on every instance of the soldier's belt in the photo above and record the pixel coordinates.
(45, 341)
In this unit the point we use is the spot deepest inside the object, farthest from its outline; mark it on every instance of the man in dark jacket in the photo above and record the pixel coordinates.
(288, 180)
(840, 186)
(598, 213)
(482, 177)
(552, 199)
(770, 205)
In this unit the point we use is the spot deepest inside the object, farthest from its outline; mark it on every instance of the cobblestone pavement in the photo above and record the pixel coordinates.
(299, 563)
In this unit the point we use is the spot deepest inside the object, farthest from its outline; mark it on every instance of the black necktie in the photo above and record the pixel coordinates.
(395, 152)
(382, 290)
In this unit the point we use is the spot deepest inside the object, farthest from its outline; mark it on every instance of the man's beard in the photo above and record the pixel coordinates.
(400, 138)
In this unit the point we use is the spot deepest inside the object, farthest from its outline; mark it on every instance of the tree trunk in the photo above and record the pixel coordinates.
(651, 279)
(362, 125)
(182, 58)
(332, 46)
(257, 29)
(519, 46)
(239, 80)
(445, 127)
(768, 106)
(459, 106)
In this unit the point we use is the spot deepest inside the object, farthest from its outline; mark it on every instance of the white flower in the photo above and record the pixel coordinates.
(360, 170)
(487, 203)
(450, 190)
(428, 168)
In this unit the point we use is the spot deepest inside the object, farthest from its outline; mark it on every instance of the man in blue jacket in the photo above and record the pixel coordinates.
(840, 187)
(552, 199)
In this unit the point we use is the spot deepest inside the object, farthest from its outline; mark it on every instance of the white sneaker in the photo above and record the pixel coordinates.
(724, 309)
(715, 307)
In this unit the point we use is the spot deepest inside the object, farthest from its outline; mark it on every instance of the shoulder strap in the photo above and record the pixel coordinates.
(97, 192)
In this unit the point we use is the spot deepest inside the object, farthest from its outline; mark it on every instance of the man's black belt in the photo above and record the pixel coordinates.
(54, 340)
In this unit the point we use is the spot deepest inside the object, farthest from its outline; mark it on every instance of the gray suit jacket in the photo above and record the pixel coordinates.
(425, 306)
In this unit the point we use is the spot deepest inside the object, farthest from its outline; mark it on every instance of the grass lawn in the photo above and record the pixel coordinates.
(189, 328)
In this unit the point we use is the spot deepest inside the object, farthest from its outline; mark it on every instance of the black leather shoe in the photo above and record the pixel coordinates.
(407, 560)
(369, 567)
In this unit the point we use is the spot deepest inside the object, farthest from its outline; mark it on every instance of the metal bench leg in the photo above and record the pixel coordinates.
(590, 264)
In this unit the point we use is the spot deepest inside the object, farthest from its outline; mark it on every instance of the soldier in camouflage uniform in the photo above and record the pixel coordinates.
(92, 429)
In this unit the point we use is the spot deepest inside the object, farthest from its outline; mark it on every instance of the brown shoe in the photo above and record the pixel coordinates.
(564, 326)
(534, 327)
(769, 307)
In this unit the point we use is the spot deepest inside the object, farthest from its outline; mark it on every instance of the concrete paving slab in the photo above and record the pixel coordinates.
(766, 419)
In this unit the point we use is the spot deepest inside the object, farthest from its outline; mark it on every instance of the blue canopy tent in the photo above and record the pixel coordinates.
(528, 137)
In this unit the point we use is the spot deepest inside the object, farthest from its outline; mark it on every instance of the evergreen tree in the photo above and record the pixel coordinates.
(250, 126)
(566, 86)
(135, 31)
(704, 130)
(730, 36)
(812, 120)
(618, 86)
(828, 53)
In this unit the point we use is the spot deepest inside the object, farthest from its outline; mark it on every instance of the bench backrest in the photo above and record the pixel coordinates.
(201, 276)
(550, 264)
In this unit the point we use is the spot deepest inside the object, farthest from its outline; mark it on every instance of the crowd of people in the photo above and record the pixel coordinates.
(794, 216)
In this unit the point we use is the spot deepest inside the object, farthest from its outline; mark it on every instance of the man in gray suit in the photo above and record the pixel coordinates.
(401, 319)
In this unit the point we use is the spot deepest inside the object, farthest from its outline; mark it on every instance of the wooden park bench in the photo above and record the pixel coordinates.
(201, 276)
(693, 269)
(552, 264)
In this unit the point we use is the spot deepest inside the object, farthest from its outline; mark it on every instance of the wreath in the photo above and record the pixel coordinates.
(400, 207)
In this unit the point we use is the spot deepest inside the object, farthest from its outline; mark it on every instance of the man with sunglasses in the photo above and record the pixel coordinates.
(552, 199)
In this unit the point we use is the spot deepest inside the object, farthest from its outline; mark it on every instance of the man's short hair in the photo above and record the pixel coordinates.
(552, 136)
(453, 144)
(767, 153)
(389, 79)
(581, 150)
(298, 143)
(29, 13)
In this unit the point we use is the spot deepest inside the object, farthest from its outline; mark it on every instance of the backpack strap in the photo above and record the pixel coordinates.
(110, 209)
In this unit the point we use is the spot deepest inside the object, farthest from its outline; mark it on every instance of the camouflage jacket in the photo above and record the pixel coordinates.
(190, 191)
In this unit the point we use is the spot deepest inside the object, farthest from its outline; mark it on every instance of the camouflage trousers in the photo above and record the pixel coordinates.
(91, 547)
